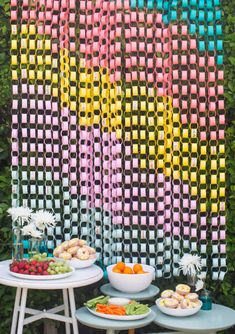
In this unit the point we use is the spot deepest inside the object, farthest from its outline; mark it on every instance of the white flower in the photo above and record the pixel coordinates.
(202, 276)
(21, 212)
(190, 264)
(31, 230)
(43, 219)
(199, 285)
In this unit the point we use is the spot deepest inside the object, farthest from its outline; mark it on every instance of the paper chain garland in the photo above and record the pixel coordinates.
(118, 125)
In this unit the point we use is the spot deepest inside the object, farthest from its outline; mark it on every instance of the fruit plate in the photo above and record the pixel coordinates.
(120, 317)
(79, 264)
(42, 277)
(178, 312)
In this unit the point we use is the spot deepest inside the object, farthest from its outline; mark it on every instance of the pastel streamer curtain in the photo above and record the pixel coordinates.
(118, 126)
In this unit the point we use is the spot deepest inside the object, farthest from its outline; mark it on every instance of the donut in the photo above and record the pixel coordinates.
(91, 250)
(171, 303)
(82, 254)
(184, 303)
(65, 245)
(92, 256)
(182, 289)
(195, 304)
(81, 242)
(73, 242)
(177, 296)
(59, 249)
(192, 297)
(167, 293)
(72, 250)
(162, 302)
(65, 256)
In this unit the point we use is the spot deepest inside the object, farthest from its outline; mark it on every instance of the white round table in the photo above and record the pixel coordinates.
(81, 277)
(203, 322)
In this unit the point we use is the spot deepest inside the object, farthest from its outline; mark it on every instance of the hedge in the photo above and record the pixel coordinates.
(223, 292)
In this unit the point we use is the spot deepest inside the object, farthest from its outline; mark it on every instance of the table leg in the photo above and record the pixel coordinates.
(15, 312)
(110, 331)
(66, 310)
(131, 331)
(22, 311)
(73, 310)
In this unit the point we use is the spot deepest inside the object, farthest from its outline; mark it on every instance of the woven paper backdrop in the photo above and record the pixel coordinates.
(118, 125)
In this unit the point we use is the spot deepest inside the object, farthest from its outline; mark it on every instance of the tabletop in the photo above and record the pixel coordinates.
(90, 320)
(81, 277)
(217, 319)
(150, 292)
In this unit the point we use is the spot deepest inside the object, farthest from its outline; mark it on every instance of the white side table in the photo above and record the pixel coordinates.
(203, 322)
(81, 277)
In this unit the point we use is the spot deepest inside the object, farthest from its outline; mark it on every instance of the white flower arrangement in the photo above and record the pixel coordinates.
(192, 265)
(32, 224)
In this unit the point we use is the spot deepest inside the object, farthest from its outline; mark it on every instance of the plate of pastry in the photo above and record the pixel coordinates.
(179, 303)
(76, 252)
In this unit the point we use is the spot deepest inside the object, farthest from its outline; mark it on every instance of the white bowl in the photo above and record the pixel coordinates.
(79, 264)
(131, 283)
(178, 312)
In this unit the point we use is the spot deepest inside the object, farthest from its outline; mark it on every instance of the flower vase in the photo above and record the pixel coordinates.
(191, 279)
(43, 245)
(34, 246)
(18, 249)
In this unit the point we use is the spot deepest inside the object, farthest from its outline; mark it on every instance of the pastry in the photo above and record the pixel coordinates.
(72, 250)
(81, 242)
(73, 242)
(171, 303)
(184, 303)
(59, 249)
(91, 250)
(82, 254)
(65, 256)
(182, 289)
(162, 302)
(65, 245)
(167, 293)
(177, 296)
(92, 256)
(192, 297)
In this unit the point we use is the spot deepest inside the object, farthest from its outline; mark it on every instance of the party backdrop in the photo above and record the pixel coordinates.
(118, 126)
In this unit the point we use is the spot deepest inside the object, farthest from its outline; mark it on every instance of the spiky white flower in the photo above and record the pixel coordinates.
(199, 285)
(202, 276)
(20, 213)
(190, 264)
(31, 231)
(43, 219)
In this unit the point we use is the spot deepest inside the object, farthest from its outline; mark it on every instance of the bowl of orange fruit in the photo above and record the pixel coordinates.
(130, 277)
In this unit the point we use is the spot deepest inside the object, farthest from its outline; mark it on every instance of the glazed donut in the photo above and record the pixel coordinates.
(177, 296)
(65, 256)
(196, 303)
(59, 249)
(81, 242)
(92, 256)
(162, 302)
(167, 293)
(65, 245)
(184, 303)
(73, 242)
(72, 250)
(91, 250)
(182, 289)
(171, 303)
(82, 254)
(193, 297)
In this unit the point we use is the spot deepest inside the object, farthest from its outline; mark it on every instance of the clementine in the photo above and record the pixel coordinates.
(116, 270)
(127, 270)
(141, 272)
(121, 266)
(137, 267)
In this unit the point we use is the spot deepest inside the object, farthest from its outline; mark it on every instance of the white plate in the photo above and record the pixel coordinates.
(120, 317)
(42, 277)
(177, 312)
(79, 264)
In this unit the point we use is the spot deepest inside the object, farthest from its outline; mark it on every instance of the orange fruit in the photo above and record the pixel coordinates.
(141, 272)
(121, 266)
(137, 267)
(116, 270)
(127, 270)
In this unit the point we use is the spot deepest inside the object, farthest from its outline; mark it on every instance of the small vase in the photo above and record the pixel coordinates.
(18, 249)
(34, 245)
(206, 299)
